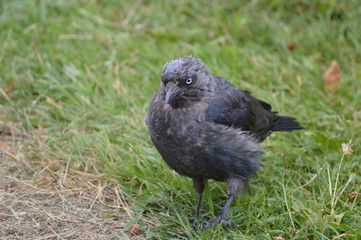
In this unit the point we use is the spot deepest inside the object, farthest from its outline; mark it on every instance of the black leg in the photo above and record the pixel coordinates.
(234, 185)
(196, 216)
(221, 216)
(199, 186)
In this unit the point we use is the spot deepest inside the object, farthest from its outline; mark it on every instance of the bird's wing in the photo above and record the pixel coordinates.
(237, 108)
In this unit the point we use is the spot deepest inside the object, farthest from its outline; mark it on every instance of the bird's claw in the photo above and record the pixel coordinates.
(208, 224)
(228, 223)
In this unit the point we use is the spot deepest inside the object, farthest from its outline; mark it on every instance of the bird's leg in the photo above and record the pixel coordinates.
(221, 217)
(196, 215)
(234, 185)
(199, 186)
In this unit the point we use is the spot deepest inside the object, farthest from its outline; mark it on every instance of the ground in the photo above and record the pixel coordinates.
(41, 200)
(76, 80)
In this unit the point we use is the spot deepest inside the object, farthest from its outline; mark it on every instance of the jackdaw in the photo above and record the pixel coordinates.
(206, 128)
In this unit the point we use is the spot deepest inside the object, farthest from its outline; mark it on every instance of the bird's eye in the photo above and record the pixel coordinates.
(189, 81)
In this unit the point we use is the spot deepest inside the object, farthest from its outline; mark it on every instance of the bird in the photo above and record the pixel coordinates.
(206, 128)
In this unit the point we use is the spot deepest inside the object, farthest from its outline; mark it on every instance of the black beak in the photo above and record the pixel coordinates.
(173, 91)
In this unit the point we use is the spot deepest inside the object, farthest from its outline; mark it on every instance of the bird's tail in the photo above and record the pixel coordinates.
(287, 124)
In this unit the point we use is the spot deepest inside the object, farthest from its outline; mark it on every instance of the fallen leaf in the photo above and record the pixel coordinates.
(8, 87)
(332, 76)
(135, 229)
(291, 47)
(3, 146)
(352, 195)
(277, 238)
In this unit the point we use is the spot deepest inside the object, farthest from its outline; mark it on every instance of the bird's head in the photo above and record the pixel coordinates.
(184, 80)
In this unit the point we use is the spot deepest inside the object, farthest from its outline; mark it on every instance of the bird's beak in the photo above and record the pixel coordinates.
(173, 91)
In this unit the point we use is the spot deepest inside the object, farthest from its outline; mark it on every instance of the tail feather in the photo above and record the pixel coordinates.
(287, 124)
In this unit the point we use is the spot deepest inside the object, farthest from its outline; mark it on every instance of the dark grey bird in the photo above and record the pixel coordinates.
(206, 128)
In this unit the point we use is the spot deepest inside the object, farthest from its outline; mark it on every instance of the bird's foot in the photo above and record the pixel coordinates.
(180, 236)
(227, 223)
(194, 226)
(209, 224)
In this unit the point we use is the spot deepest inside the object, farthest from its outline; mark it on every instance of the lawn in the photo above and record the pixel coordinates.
(76, 80)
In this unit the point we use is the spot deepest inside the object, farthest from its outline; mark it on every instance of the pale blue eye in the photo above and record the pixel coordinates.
(189, 81)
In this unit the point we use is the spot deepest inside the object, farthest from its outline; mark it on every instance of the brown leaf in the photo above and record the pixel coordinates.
(135, 229)
(277, 238)
(8, 87)
(3, 146)
(352, 195)
(332, 76)
(292, 46)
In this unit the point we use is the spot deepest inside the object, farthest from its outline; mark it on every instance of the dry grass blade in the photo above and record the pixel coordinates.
(60, 209)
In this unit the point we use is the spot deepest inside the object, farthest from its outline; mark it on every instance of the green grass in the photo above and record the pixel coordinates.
(84, 73)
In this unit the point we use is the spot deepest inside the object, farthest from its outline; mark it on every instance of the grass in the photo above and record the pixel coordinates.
(77, 78)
